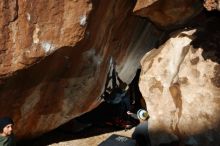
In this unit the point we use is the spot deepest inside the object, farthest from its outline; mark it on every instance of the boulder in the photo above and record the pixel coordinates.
(55, 57)
(181, 85)
(168, 14)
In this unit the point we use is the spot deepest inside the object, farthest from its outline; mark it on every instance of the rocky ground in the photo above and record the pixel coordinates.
(91, 136)
(93, 140)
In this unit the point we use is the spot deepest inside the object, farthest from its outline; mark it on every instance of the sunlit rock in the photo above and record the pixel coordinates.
(180, 83)
(212, 5)
(31, 30)
(168, 13)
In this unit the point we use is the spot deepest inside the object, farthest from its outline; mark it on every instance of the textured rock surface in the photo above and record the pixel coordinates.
(180, 83)
(31, 30)
(55, 57)
(167, 13)
(212, 5)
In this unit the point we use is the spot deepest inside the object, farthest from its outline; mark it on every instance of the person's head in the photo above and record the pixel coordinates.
(142, 114)
(6, 126)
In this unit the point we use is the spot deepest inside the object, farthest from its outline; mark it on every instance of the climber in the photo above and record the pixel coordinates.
(140, 133)
(116, 95)
(115, 88)
(6, 132)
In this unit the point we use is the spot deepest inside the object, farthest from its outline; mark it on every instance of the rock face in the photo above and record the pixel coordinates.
(167, 13)
(181, 84)
(55, 57)
(31, 30)
(212, 5)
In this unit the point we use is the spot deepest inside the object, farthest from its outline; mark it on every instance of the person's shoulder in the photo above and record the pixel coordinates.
(3, 139)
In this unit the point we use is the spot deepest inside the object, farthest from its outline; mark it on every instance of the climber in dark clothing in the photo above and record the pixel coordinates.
(115, 88)
(116, 94)
(140, 133)
(120, 101)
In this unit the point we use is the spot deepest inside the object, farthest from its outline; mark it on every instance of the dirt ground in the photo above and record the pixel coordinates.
(91, 136)
(93, 140)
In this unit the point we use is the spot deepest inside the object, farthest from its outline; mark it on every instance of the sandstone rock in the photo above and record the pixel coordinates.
(180, 83)
(212, 5)
(167, 13)
(31, 30)
(55, 57)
